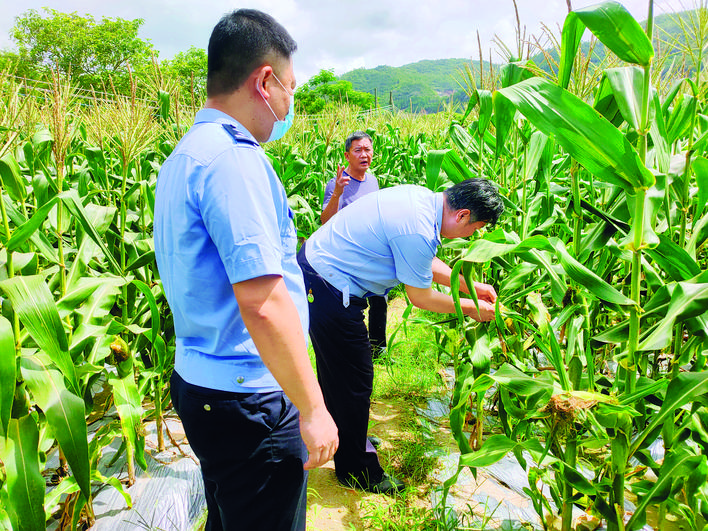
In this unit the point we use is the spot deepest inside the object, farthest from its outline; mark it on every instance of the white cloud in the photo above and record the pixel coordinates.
(340, 35)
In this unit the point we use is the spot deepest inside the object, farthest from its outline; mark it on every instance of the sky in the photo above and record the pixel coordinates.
(338, 35)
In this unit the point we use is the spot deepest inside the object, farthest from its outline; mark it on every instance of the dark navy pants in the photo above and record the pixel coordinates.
(378, 307)
(251, 455)
(345, 372)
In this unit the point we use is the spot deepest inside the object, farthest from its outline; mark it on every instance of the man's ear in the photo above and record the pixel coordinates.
(463, 215)
(261, 75)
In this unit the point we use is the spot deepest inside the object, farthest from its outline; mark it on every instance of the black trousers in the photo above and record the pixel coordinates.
(345, 372)
(378, 307)
(251, 455)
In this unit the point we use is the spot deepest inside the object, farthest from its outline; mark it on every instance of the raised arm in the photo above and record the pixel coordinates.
(332, 205)
(273, 323)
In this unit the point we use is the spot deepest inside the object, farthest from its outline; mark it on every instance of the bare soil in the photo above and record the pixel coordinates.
(334, 507)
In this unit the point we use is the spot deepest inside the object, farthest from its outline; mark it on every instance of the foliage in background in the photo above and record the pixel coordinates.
(93, 53)
(323, 92)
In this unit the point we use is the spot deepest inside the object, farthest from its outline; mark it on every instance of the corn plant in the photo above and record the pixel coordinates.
(625, 265)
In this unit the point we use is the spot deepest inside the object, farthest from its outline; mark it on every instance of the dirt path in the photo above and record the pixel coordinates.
(333, 507)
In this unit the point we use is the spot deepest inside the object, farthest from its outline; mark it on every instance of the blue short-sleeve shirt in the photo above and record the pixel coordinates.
(221, 217)
(353, 191)
(379, 241)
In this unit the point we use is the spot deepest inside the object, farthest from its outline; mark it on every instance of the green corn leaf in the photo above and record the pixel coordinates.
(606, 104)
(678, 464)
(156, 353)
(39, 240)
(512, 73)
(572, 33)
(35, 305)
(698, 236)
(100, 218)
(52, 499)
(674, 260)
(504, 112)
(617, 29)
(577, 480)
(700, 170)
(533, 153)
(455, 288)
(25, 231)
(627, 85)
(483, 250)
(433, 179)
(659, 136)
(65, 413)
(455, 168)
(678, 119)
(481, 355)
(96, 309)
(25, 484)
(115, 483)
(521, 384)
(589, 280)
(682, 389)
(485, 110)
(7, 372)
(687, 300)
(11, 178)
(130, 411)
(474, 98)
(581, 131)
(496, 448)
(546, 339)
(140, 261)
(73, 203)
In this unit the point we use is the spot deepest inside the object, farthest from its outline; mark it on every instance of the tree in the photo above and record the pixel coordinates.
(189, 69)
(89, 51)
(324, 91)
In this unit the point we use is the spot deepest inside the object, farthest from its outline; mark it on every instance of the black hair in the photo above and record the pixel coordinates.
(479, 196)
(241, 42)
(356, 135)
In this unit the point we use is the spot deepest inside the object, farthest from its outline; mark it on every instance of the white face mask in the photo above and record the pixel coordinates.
(280, 127)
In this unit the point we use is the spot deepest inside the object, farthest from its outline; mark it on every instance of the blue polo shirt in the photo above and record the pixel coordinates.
(353, 191)
(379, 241)
(221, 217)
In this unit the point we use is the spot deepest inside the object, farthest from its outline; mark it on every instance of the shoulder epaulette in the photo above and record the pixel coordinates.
(238, 136)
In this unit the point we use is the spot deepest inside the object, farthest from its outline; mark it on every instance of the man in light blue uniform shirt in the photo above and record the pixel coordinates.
(379, 241)
(225, 247)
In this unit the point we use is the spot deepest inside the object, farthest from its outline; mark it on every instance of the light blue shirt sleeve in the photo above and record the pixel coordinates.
(239, 217)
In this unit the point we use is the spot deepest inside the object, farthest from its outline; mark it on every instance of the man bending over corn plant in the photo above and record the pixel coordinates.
(225, 245)
(381, 240)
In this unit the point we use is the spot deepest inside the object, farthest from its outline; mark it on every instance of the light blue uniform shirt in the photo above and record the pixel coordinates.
(379, 241)
(221, 217)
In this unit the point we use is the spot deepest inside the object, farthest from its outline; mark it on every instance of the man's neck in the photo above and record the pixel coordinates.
(359, 176)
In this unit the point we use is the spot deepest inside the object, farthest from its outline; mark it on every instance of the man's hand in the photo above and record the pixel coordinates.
(486, 310)
(342, 179)
(485, 292)
(319, 434)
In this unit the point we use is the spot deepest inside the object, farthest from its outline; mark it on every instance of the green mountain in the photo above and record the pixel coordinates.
(425, 86)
